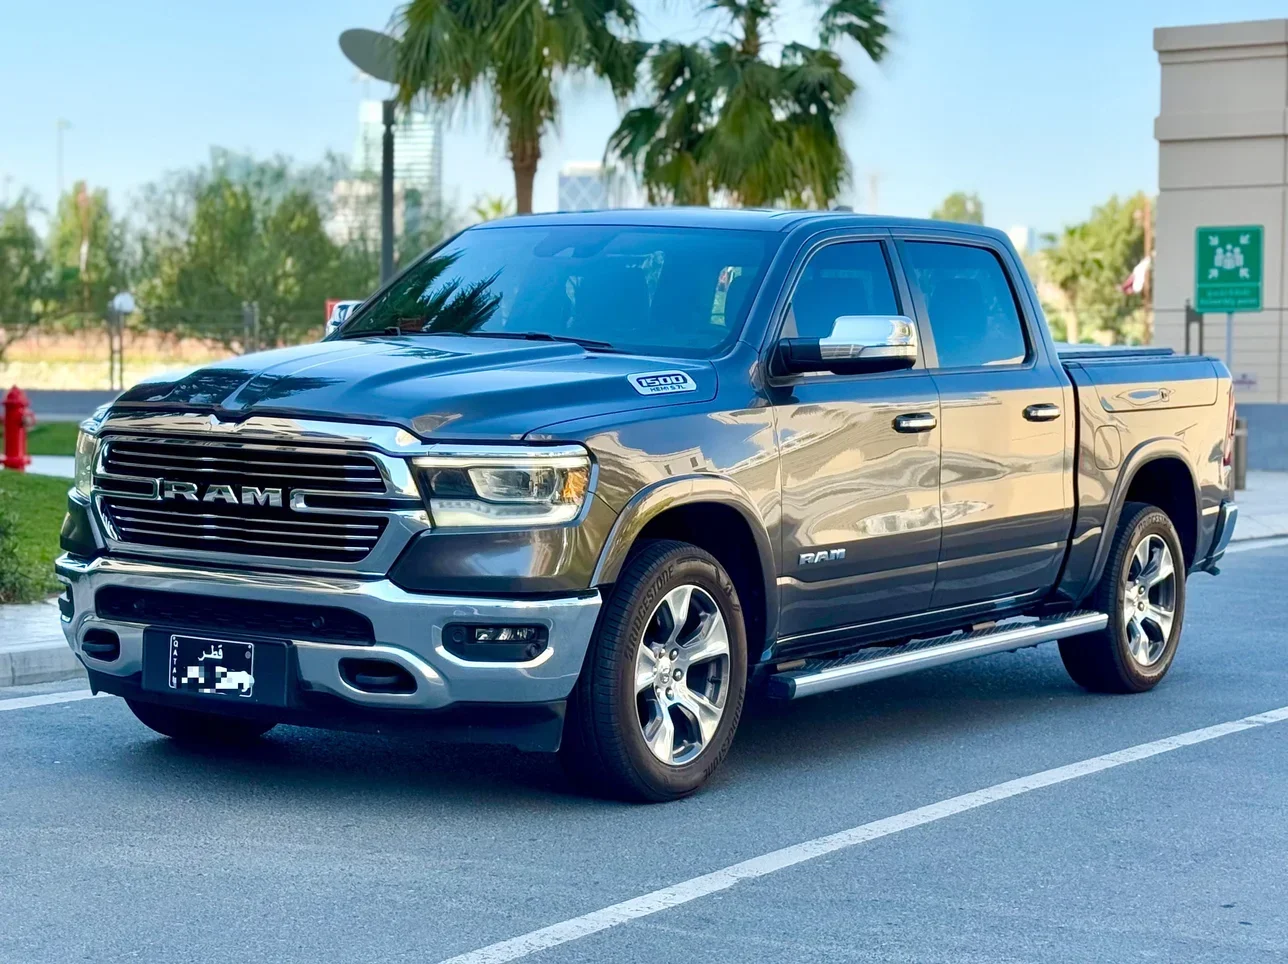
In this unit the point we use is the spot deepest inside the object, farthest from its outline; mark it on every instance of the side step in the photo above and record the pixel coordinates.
(882, 662)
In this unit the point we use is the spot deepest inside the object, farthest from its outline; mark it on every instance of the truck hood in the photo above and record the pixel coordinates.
(438, 386)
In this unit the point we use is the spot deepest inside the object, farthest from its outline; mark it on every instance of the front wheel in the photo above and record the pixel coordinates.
(1143, 591)
(659, 699)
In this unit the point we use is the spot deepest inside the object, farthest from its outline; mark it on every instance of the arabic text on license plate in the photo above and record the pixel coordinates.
(212, 667)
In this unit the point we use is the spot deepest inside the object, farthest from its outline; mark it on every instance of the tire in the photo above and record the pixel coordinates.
(196, 728)
(1134, 652)
(616, 735)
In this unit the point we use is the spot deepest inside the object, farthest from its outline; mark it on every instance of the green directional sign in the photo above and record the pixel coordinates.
(1227, 268)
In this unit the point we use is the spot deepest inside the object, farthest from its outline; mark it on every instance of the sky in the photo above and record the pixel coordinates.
(1044, 108)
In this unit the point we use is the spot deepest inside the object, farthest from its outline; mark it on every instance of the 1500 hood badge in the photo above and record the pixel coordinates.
(662, 383)
(249, 494)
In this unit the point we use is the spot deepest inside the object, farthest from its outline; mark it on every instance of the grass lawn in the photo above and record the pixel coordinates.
(31, 514)
(49, 438)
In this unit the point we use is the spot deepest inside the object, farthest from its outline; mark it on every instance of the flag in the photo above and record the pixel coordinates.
(1135, 283)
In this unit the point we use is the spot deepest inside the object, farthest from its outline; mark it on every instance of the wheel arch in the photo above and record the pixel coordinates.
(715, 514)
(1157, 472)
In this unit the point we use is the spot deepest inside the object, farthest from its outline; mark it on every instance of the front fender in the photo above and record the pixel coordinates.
(653, 500)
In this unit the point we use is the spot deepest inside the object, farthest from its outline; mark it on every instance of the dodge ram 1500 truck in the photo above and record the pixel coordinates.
(577, 483)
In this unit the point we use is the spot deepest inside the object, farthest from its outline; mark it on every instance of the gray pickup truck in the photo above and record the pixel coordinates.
(581, 483)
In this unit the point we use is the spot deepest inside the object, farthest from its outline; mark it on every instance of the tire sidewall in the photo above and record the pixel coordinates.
(683, 568)
(1151, 521)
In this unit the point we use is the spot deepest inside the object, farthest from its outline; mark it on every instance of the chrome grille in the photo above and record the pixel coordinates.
(202, 461)
(247, 499)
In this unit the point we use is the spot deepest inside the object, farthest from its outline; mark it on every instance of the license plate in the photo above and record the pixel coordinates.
(212, 667)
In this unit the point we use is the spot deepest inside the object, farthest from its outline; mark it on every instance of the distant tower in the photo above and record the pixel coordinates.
(418, 152)
(587, 186)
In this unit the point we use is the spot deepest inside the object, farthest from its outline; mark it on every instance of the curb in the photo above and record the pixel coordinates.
(39, 663)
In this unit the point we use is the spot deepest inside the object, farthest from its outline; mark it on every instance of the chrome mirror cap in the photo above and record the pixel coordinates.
(870, 337)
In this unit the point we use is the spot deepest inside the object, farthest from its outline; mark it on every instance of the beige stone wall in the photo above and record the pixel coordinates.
(1223, 160)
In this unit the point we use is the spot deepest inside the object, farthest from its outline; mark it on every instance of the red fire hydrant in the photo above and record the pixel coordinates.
(18, 418)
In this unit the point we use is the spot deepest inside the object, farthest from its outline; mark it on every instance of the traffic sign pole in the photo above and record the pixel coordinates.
(1228, 274)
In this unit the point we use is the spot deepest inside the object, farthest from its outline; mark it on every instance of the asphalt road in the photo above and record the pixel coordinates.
(317, 847)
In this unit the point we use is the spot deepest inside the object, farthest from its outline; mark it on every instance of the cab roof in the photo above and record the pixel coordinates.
(743, 219)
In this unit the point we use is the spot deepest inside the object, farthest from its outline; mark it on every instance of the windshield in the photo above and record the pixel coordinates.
(648, 290)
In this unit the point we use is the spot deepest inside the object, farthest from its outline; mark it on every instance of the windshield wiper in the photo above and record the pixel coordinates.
(588, 343)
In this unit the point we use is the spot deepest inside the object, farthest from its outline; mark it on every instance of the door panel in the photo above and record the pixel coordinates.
(1005, 496)
(852, 482)
(860, 495)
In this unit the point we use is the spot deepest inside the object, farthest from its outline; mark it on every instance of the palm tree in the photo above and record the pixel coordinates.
(490, 207)
(517, 51)
(726, 117)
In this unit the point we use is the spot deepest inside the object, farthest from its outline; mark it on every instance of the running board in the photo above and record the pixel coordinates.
(882, 662)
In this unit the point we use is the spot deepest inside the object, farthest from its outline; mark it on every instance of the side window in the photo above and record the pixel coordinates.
(851, 278)
(970, 304)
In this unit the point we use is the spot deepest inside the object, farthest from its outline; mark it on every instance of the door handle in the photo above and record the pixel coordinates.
(1046, 412)
(915, 422)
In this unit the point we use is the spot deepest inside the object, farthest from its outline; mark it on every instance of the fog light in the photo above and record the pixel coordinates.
(502, 644)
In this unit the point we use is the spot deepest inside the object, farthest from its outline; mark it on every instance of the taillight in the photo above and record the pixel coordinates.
(1227, 456)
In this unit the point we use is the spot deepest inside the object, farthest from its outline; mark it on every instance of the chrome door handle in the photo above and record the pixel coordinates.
(1045, 412)
(915, 422)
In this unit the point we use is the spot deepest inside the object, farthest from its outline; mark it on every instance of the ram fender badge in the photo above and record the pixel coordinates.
(662, 383)
(822, 555)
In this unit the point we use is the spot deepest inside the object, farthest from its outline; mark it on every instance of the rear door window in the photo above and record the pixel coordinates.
(969, 304)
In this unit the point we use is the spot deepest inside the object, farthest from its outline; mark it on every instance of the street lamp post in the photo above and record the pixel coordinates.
(376, 55)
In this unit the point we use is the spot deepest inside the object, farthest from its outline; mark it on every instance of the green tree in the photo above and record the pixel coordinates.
(735, 118)
(1088, 263)
(26, 276)
(89, 249)
(517, 52)
(242, 240)
(960, 207)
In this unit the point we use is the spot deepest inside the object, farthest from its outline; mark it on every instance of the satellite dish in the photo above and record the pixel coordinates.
(372, 52)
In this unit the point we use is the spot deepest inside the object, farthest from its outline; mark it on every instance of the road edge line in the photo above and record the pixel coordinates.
(686, 891)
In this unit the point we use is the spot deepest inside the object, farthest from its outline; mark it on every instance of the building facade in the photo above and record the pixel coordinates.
(1222, 136)
(589, 186)
(418, 176)
(1223, 161)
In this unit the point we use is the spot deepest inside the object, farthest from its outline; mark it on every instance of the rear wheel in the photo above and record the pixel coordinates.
(1143, 591)
(659, 699)
(192, 726)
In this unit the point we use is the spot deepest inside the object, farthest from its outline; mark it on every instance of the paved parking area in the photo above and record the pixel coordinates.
(321, 847)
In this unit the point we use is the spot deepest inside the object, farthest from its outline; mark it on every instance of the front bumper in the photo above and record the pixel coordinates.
(408, 630)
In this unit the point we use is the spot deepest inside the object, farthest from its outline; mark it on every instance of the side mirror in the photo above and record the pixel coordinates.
(858, 343)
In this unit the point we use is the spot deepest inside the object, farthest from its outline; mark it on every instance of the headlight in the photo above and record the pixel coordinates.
(493, 486)
(87, 450)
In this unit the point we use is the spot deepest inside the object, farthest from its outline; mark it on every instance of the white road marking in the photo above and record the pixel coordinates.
(690, 890)
(44, 699)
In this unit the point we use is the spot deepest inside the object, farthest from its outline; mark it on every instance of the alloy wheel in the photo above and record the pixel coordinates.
(1149, 600)
(681, 675)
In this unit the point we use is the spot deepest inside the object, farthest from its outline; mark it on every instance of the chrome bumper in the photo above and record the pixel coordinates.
(408, 630)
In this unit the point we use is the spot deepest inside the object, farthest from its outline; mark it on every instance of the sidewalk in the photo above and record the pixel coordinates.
(60, 465)
(32, 648)
(1263, 506)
